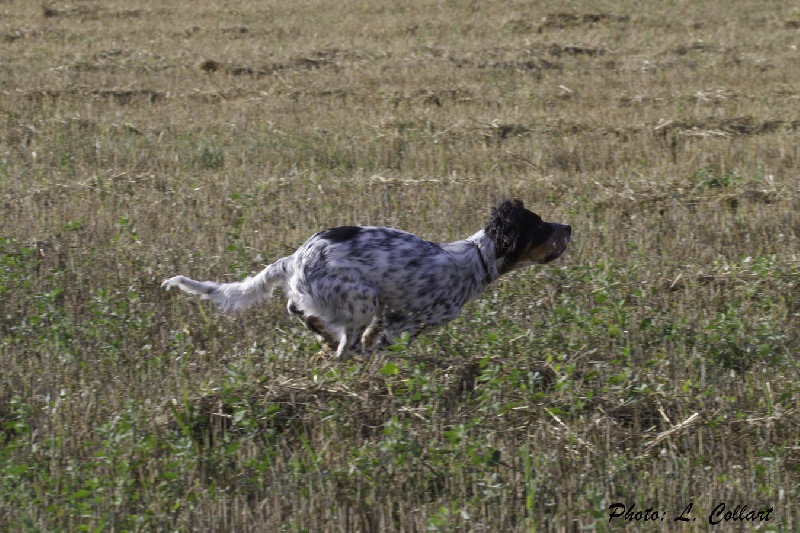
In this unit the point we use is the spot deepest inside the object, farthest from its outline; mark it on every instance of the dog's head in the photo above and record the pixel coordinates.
(522, 238)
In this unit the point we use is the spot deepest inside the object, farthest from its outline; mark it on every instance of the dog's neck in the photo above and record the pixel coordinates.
(491, 265)
(483, 264)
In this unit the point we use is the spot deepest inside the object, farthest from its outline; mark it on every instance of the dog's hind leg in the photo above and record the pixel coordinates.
(315, 325)
(337, 313)
(333, 335)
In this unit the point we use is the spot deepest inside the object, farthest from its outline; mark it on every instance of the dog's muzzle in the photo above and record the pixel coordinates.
(562, 236)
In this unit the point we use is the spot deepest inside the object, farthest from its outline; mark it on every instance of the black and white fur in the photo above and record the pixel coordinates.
(358, 288)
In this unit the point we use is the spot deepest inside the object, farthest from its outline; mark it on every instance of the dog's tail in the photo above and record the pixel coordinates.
(237, 295)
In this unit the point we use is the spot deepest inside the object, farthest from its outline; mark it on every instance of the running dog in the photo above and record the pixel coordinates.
(358, 288)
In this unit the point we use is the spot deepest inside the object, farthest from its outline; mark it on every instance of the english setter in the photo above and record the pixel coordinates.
(358, 288)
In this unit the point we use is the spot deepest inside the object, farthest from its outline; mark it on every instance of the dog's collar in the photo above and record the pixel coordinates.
(488, 276)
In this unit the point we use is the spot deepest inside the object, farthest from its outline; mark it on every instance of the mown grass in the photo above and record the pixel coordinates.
(142, 140)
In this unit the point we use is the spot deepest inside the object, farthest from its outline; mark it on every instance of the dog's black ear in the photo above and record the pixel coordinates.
(505, 225)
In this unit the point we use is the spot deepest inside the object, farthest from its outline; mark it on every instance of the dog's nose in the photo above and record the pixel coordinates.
(566, 233)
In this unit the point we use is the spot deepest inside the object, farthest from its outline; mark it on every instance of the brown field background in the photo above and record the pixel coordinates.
(140, 140)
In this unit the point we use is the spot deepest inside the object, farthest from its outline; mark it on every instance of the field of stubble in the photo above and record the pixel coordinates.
(654, 365)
